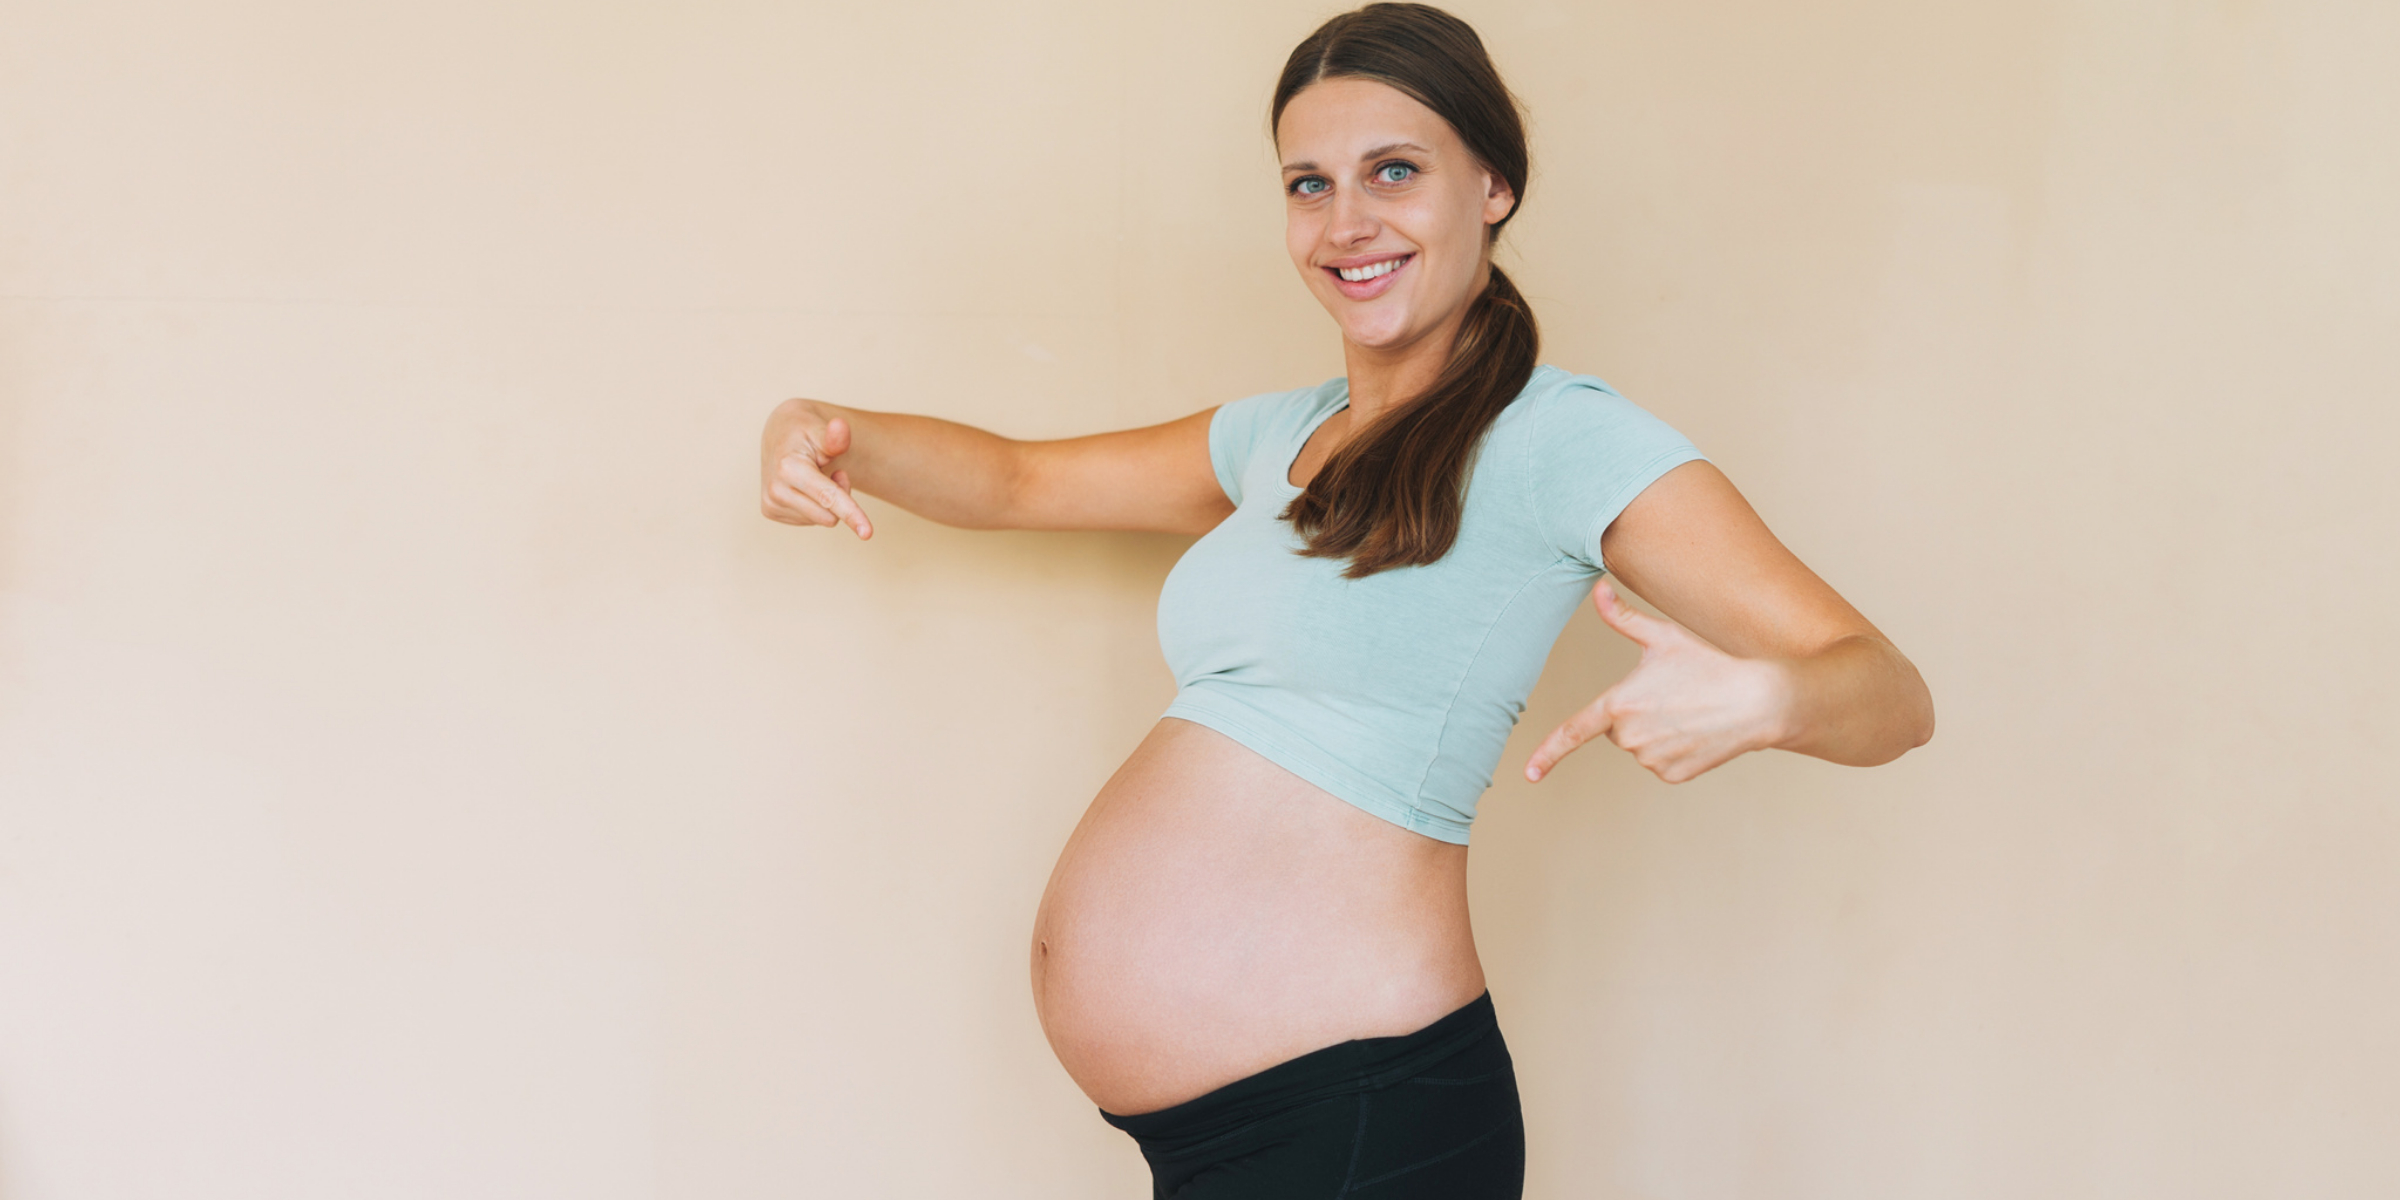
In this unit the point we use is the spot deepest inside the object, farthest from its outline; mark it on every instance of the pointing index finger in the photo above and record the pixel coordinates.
(836, 497)
(1588, 723)
(802, 474)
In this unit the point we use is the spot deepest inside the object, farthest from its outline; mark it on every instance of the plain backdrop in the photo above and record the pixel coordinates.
(424, 774)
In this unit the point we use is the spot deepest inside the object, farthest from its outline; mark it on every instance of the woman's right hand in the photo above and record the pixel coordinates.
(799, 483)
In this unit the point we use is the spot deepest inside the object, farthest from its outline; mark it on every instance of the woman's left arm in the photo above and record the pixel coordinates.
(1765, 655)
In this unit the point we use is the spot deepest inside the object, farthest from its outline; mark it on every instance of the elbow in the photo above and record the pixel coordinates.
(1908, 721)
(1878, 713)
(1907, 703)
(1924, 706)
(1904, 735)
(1917, 725)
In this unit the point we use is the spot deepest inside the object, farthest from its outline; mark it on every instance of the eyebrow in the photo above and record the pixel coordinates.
(1377, 152)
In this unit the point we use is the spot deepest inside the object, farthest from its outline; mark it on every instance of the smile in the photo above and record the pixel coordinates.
(1365, 281)
(1371, 270)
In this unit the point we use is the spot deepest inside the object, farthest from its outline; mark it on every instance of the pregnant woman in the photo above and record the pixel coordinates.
(1254, 953)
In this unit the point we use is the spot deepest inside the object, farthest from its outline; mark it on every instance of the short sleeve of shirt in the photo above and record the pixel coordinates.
(1592, 452)
(1233, 433)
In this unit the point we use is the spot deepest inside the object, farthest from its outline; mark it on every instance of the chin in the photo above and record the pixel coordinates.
(1376, 332)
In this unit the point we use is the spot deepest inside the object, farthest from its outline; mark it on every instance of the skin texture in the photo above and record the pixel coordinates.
(1214, 915)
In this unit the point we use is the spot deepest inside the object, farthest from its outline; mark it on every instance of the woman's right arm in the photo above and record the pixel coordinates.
(1155, 479)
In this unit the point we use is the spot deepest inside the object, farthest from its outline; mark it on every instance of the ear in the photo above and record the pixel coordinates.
(1499, 199)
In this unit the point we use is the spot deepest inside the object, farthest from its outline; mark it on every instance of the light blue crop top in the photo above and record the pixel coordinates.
(1395, 692)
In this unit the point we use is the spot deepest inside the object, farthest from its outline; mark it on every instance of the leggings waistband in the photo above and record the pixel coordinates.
(1347, 1068)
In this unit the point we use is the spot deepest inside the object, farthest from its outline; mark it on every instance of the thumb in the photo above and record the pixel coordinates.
(837, 438)
(1645, 630)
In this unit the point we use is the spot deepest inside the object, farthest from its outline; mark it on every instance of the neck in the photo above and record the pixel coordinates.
(1384, 377)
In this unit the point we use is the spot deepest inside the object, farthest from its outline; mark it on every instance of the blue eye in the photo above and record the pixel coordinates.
(1394, 173)
(1310, 185)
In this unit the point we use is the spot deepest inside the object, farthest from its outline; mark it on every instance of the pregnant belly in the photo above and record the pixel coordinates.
(1214, 915)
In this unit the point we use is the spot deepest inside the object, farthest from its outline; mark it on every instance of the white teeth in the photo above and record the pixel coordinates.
(1363, 274)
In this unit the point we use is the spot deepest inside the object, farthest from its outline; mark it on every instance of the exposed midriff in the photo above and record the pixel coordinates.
(1214, 915)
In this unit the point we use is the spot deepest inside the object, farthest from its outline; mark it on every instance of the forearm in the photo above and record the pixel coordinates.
(940, 470)
(1858, 702)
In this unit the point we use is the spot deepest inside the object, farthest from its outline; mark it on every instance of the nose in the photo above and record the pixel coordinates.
(1353, 222)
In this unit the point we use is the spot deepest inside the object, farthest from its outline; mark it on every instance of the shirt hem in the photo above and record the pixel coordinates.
(1340, 783)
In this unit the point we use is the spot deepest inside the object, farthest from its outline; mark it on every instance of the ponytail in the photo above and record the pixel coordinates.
(1393, 494)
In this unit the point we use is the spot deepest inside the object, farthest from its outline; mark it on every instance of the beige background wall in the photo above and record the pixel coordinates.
(425, 775)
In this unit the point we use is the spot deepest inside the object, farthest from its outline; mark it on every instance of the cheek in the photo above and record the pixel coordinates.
(1428, 217)
(1300, 233)
(1453, 246)
(1462, 222)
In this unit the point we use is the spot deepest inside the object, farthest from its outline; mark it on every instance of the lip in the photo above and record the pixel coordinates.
(1371, 288)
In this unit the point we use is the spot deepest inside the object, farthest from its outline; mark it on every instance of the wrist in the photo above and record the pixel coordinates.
(1785, 724)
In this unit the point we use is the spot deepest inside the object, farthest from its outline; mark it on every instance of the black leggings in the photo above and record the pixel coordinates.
(1428, 1114)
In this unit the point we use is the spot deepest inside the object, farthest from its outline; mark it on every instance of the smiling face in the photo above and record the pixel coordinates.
(1386, 210)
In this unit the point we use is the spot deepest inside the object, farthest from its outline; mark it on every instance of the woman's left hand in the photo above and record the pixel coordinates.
(1687, 706)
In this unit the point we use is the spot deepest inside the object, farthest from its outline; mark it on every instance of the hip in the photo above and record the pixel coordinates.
(1433, 1113)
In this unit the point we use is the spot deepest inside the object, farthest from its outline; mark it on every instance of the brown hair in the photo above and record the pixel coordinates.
(1393, 494)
